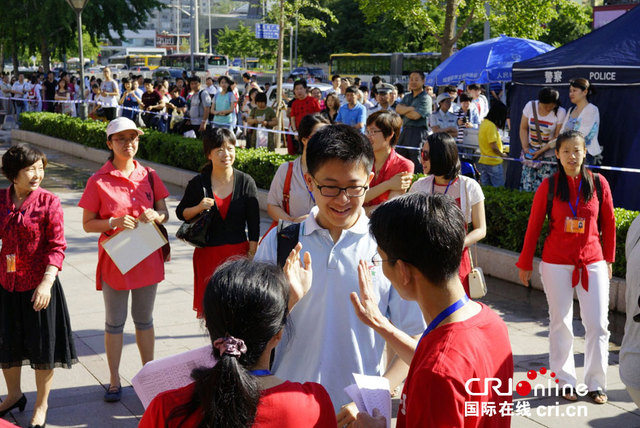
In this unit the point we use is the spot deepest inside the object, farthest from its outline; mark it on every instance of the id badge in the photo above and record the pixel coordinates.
(11, 263)
(574, 225)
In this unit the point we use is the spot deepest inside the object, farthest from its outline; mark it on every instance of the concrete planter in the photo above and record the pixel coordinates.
(495, 262)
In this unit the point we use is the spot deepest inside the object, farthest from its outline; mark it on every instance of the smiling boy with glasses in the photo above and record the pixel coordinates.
(329, 343)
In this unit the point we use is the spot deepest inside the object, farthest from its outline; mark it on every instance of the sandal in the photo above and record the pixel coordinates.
(598, 397)
(570, 394)
(113, 394)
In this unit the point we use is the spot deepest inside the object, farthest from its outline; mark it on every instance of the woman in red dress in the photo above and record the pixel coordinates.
(231, 195)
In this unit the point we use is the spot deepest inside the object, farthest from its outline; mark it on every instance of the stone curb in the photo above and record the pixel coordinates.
(494, 261)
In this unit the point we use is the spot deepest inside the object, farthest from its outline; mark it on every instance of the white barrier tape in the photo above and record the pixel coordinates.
(138, 110)
(604, 167)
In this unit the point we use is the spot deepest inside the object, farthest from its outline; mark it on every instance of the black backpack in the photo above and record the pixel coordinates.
(288, 237)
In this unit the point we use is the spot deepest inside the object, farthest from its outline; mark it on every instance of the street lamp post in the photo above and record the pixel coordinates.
(78, 6)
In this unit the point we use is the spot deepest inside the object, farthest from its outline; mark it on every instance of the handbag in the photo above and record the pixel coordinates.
(166, 248)
(196, 231)
(477, 283)
(529, 162)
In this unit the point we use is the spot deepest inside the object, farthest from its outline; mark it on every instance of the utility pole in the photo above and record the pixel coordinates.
(279, 66)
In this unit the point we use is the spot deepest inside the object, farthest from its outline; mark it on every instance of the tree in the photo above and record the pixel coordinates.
(351, 33)
(573, 21)
(49, 27)
(517, 18)
(240, 42)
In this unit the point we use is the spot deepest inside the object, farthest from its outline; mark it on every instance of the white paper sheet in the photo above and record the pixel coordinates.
(371, 392)
(129, 247)
(169, 373)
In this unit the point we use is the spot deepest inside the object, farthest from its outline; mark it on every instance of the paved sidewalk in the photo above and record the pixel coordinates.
(76, 398)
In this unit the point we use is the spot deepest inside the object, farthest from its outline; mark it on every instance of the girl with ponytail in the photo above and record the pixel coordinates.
(577, 255)
(246, 305)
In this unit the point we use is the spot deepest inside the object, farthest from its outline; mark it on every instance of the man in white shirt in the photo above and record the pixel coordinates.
(330, 343)
(18, 91)
(211, 87)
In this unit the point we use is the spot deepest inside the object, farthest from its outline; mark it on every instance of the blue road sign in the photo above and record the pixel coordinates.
(267, 31)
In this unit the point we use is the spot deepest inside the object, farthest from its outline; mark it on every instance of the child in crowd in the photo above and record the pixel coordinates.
(330, 344)
(262, 116)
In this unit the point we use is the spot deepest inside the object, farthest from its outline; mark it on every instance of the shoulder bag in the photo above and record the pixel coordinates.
(166, 248)
(477, 283)
(196, 231)
(535, 164)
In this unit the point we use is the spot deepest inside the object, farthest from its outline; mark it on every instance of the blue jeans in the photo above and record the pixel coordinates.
(491, 175)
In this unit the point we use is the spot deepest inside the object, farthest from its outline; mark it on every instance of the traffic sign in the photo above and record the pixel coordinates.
(267, 31)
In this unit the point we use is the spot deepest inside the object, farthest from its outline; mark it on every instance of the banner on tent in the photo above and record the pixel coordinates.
(561, 76)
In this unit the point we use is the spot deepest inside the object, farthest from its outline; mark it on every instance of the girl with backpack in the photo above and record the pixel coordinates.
(580, 210)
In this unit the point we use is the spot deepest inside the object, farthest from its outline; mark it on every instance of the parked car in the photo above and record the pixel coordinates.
(94, 70)
(171, 73)
(307, 72)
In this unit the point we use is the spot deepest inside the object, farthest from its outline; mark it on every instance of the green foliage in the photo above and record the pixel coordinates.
(167, 149)
(386, 34)
(517, 18)
(573, 21)
(49, 27)
(507, 210)
(242, 43)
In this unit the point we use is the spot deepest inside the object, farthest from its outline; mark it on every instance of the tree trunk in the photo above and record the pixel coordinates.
(14, 52)
(44, 52)
(449, 30)
(1, 59)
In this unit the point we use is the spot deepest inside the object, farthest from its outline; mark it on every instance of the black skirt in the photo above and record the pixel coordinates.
(40, 339)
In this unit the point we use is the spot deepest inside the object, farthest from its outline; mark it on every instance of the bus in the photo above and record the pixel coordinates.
(392, 67)
(204, 64)
(137, 60)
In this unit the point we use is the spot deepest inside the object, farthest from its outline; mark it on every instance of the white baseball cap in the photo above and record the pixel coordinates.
(443, 96)
(120, 124)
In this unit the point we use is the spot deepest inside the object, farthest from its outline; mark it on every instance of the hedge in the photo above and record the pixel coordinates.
(508, 210)
(167, 149)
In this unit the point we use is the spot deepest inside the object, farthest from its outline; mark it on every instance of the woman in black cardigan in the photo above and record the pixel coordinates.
(231, 195)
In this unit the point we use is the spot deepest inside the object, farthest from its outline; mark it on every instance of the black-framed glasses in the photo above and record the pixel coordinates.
(333, 191)
(371, 132)
(377, 260)
(424, 154)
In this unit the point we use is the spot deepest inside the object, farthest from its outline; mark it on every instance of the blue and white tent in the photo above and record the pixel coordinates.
(609, 58)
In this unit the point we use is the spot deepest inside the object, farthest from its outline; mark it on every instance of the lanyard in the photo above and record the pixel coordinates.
(260, 372)
(306, 187)
(444, 314)
(433, 185)
(575, 211)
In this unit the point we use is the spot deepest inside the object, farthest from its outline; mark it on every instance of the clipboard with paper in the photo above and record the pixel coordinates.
(128, 247)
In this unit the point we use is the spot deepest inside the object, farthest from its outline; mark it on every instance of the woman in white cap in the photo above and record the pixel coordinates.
(119, 196)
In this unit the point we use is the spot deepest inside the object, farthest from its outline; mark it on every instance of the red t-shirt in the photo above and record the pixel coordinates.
(301, 108)
(394, 164)
(110, 194)
(565, 248)
(434, 394)
(288, 405)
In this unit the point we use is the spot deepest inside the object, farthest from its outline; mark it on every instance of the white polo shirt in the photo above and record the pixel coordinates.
(326, 342)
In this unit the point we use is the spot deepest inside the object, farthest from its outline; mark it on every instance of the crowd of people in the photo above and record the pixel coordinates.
(390, 270)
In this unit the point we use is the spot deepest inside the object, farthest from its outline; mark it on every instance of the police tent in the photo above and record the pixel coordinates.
(609, 58)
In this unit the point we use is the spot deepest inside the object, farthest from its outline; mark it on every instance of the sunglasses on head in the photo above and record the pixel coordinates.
(424, 154)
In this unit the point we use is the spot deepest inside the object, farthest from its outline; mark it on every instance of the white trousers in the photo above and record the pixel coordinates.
(635, 395)
(594, 311)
